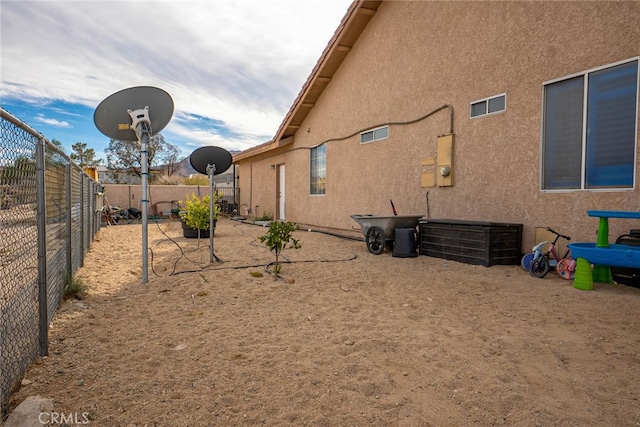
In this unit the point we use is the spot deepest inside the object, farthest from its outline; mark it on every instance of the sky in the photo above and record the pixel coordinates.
(233, 68)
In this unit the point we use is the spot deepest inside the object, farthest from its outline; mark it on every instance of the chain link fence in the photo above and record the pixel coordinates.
(49, 214)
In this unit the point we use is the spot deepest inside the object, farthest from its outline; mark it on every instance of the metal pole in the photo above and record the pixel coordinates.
(235, 196)
(144, 140)
(211, 170)
(82, 214)
(141, 124)
(92, 203)
(43, 315)
(68, 201)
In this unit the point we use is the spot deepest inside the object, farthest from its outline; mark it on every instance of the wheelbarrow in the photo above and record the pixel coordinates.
(379, 230)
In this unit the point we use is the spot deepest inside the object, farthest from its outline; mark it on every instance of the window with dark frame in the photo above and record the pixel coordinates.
(589, 130)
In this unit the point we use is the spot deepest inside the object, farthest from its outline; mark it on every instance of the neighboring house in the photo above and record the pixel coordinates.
(112, 176)
(514, 112)
(225, 179)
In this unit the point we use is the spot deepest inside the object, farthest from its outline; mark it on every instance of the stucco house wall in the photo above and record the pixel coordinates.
(415, 57)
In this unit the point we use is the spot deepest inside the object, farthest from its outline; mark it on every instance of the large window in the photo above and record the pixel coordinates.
(318, 170)
(589, 130)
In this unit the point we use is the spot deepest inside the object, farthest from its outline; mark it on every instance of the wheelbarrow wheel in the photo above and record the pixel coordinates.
(375, 240)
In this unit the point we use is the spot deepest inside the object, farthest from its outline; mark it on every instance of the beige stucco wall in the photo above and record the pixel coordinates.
(414, 57)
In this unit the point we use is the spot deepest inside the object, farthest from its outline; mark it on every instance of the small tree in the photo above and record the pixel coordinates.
(277, 238)
(170, 158)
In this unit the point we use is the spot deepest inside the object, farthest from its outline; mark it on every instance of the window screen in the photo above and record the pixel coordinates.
(603, 157)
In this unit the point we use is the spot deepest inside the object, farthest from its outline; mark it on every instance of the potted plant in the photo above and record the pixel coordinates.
(264, 220)
(195, 217)
(277, 238)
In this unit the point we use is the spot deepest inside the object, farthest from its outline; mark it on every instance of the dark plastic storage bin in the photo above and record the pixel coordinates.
(471, 242)
(405, 244)
(627, 276)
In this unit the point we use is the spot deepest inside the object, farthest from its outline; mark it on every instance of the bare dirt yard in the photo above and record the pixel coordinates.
(345, 338)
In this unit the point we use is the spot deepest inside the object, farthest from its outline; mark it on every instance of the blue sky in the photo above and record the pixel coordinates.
(233, 68)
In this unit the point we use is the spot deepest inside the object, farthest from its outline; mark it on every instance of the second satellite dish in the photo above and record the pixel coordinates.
(205, 156)
(113, 119)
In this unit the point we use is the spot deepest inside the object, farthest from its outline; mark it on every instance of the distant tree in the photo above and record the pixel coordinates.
(84, 156)
(58, 144)
(170, 158)
(126, 156)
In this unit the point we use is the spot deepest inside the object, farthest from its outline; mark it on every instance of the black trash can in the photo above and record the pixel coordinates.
(405, 243)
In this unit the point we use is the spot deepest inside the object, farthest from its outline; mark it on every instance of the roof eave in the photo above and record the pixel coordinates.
(353, 23)
(355, 20)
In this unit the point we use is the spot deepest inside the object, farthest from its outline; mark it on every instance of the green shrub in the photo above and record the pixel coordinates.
(279, 235)
(196, 214)
(74, 288)
(267, 216)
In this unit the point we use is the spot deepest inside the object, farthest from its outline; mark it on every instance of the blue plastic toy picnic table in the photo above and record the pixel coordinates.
(602, 254)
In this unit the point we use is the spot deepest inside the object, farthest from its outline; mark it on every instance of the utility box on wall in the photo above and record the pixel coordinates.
(428, 176)
(444, 168)
(471, 242)
(438, 171)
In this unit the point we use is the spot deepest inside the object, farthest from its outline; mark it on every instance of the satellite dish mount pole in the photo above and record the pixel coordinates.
(120, 116)
(141, 125)
(211, 171)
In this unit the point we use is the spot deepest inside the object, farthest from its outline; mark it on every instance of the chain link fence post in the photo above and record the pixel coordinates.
(43, 322)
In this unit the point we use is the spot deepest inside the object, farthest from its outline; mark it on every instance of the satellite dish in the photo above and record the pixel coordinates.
(204, 156)
(113, 116)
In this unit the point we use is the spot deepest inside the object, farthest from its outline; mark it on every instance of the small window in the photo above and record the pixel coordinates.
(318, 170)
(493, 105)
(374, 135)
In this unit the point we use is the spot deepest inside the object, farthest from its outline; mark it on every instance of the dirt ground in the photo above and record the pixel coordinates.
(346, 338)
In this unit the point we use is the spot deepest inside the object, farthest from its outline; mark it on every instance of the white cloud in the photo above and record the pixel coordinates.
(239, 62)
(52, 122)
